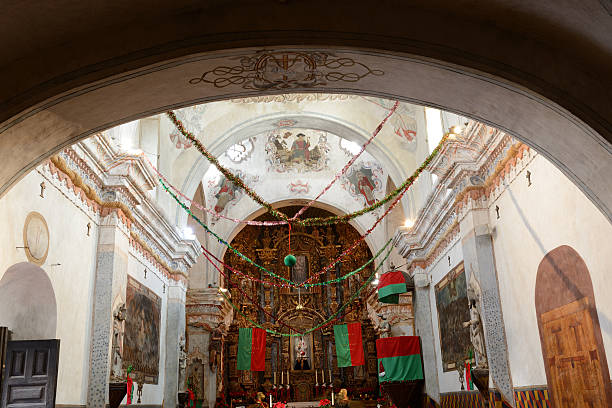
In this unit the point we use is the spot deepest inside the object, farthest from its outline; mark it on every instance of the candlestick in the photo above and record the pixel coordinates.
(282, 377)
(270, 400)
(287, 377)
(330, 380)
(332, 396)
(275, 377)
(316, 377)
(323, 375)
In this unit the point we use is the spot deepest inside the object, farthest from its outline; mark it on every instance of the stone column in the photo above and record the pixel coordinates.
(478, 257)
(110, 284)
(424, 329)
(175, 328)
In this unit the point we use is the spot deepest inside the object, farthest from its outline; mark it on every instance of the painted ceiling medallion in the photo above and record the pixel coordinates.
(269, 70)
(36, 238)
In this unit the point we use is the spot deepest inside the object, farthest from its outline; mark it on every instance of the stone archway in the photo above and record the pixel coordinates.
(27, 303)
(572, 346)
(564, 115)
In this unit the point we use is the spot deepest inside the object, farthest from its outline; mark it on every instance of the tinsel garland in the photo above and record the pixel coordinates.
(325, 323)
(349, 164)
(314, 221)
(307, 285)
(228, 174)
(241, 255)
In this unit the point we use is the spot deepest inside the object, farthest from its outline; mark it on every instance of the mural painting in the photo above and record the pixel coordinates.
(297, 151)
(403, 121)
(363, 180)
(453, 309)
(225, 193)
(142, 330)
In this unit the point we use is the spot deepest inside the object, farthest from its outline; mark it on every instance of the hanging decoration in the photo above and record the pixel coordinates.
(319, 221)
(250, 261)
(399, 359)
(251, 349)
(349, 344)
(390, 286)
(306, 285)
(335, 316)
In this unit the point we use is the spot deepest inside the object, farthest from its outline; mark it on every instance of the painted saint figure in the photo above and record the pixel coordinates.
(300, 148)
(366, 187)
(226, 193)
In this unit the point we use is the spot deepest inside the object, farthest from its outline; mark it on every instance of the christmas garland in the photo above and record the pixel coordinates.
(330, 320)
(314, 221)
(306, 285)
(247, 259)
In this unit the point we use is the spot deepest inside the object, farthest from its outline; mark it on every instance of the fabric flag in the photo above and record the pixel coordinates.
(390, 285)
(349, 345)
(399, 359)
(251, 349)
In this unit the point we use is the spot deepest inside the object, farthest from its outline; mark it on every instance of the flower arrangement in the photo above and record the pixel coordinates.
(279, 405)
(325, 403)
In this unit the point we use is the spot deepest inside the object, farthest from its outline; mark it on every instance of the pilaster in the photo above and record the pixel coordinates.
(175, 328)
(479, 259)
(424, 329)
(109, 292)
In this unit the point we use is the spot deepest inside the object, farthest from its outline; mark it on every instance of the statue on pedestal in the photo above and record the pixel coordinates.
(117, 344)
(475, 323)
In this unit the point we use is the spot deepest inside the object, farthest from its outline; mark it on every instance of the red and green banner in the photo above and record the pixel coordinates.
(399, 359)
(349, 345)
(390, 285)
(251, 349)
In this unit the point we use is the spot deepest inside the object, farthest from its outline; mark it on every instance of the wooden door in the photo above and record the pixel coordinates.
(30, 374)
(570, 352)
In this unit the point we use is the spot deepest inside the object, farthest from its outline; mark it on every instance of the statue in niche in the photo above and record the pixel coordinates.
(182, 363)
(475, 323)
(302, 356)
(117, 343)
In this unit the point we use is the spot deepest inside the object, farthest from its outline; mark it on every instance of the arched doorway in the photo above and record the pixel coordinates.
(572, 345)
(27, 303)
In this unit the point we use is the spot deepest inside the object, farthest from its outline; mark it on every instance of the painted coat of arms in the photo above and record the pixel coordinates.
(295, 151)
(363, 180)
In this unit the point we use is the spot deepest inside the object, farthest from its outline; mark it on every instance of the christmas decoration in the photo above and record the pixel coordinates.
(290, 260)
(399, 359)
(349, 345)
(251, 349)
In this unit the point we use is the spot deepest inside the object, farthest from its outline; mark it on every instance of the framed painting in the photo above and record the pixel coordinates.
(453, 311)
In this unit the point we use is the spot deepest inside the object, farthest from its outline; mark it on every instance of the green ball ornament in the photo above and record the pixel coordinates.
(290, 260)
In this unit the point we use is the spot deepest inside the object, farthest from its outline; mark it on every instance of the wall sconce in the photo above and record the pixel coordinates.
(528, 176)
(497, 211)
(42, 189)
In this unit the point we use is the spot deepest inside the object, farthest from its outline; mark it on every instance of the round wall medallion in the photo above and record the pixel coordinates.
(36, 238)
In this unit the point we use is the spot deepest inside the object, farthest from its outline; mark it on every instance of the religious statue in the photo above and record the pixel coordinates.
(475, 323)
(182, 363)
(383, 327)
(117, 345)
(301, 355)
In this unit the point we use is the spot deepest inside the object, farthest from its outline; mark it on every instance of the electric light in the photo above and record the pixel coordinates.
(409, 223)
(457, 129)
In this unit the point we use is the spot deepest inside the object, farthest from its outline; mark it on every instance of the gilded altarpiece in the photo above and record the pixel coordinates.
(315, 248)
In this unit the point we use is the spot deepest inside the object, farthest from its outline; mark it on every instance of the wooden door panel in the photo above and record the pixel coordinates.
(30, 374)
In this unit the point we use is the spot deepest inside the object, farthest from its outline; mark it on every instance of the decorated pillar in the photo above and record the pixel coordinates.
(424, 329)
(108, 298)
(175, 330)
(481, 275)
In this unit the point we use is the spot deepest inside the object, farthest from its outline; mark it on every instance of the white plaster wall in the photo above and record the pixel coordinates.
(72, 280)
(533, 221)
(152, 394)
(449, 381)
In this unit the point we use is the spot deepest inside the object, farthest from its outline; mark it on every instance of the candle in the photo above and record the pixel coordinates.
(323, 375)
(316, 377)
(332, 397)
(270, 400)
(282, 377)
(275, 377)
(287, 377)
(330, 380)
